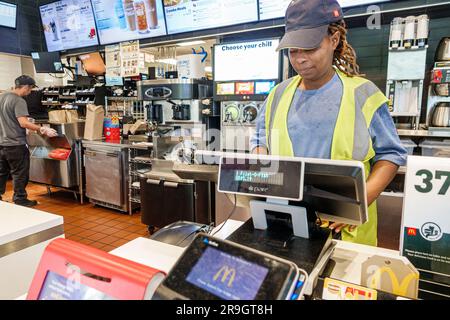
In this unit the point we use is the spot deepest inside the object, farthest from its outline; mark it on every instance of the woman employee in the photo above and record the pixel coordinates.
(328, 111)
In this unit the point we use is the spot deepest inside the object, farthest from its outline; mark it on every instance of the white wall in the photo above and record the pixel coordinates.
(12, 66)
(10, 69)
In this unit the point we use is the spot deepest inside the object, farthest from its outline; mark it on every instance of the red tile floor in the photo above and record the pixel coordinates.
(92, 225)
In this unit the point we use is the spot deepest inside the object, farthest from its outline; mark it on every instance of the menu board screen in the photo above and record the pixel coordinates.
(191, 15)
(255, 60)
(68, 24)
(269, 9)
(8, 14)
(126, 20)
(225, 88)
(264, 87)
(245, 88)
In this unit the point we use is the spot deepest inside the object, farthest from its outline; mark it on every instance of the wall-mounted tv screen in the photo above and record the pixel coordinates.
(192, 15)
(47, 62)
(126, 20)
(269, 9)
(8, 14)
(252, 60)
(68, 24)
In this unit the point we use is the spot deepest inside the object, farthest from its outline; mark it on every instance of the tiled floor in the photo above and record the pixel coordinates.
(95, 226)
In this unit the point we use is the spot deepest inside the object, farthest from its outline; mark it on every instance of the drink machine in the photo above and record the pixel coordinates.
(408, 46)
(244, 75)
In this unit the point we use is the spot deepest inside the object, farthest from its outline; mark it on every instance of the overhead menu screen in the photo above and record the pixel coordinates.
(8, 14)
(227, 276)
(68, 24)
(126, 20)
(256, 60)
(191, 15)
(269, 9)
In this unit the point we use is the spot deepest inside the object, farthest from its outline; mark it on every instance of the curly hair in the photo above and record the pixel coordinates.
(344, 56)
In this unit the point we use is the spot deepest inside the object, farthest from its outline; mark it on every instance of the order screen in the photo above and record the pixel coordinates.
(227, 276)
(57, 287)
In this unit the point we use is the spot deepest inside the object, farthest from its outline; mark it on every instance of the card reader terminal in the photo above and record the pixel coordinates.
(215, 269)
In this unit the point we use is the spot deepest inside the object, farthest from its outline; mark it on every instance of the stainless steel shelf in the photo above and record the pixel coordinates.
(441, 133)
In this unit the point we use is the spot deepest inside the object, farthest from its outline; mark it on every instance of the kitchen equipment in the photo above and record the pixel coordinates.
(155, 113)
(106, 175)
(443, 50)
(436, 148)
(439, 99)
(404, 86)
(238, 124)
(181, 111)
(47, 167)
(441, 115)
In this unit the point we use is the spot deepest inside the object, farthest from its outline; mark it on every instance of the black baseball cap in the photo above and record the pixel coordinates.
(25, 81)
(307, 23)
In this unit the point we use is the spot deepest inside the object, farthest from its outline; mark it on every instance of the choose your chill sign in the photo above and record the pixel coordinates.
(426, 217)
(257, 60)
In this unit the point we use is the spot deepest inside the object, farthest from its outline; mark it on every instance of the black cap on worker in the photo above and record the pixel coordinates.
(307, 23)
(25, 81)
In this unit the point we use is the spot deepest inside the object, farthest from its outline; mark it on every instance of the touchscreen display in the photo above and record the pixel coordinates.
(264, 87)
(227, 276)
(57, 287)
(225, 88)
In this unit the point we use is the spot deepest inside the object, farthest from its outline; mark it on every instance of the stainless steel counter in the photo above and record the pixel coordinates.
(443, 133)
(122, 144)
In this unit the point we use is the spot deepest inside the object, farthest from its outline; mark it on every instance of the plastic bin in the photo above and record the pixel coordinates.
(409, 145)
(436, 148)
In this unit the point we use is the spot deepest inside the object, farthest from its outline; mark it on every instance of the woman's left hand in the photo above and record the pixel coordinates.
(337, 227)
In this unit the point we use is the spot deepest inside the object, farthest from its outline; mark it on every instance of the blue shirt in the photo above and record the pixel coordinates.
(312, 119)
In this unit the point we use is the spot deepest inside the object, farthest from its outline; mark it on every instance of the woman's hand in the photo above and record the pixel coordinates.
(337, 227)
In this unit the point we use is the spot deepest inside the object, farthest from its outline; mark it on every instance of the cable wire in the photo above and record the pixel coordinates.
(229, 216)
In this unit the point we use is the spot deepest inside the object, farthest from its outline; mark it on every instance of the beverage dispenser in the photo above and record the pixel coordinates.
(408, 45)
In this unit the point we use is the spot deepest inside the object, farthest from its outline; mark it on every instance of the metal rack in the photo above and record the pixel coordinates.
(140, 161)
(125, 106)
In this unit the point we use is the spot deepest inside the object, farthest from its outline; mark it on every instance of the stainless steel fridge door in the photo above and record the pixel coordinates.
(104, 177)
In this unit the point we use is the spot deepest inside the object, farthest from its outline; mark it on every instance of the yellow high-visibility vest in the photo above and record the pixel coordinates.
(351, 139)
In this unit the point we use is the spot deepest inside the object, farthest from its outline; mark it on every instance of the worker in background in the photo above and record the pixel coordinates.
(329, 111)
(14, 154)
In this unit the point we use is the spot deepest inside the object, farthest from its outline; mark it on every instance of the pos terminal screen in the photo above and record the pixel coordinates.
(227, 276)
(57, 287)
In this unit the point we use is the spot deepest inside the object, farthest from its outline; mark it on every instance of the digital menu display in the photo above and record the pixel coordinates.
(8, 14)
(245, 88)
(68, 24)
(264, 87)
(57, 287)
(126, 20)
(191, 15)
(255, 60)
(269, 9)
(225, 88)
(227, 276)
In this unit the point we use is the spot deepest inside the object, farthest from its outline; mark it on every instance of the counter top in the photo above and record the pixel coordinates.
(123, 144)
(18, 222)
(443, 133)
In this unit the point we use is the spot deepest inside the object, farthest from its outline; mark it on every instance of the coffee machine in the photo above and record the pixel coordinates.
(408, 46)
(174, 101)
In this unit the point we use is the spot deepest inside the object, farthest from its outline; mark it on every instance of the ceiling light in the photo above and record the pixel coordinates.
(190, 43)
(167, 61)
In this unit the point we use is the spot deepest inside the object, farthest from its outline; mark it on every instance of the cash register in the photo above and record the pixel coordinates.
(279, 247)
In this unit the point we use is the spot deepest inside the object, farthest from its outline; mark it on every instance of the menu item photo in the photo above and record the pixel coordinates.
(190, 15)
(125, 20)
(68, 24)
